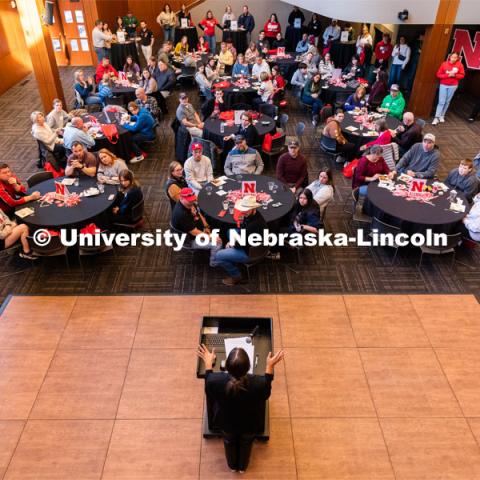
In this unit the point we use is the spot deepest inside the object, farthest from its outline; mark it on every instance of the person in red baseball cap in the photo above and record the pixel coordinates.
(198, 168)
(186, 218)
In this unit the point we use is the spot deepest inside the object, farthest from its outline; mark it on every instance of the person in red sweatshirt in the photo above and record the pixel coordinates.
(105, 67)
(450, 73)
(272, 27)
(383, 52)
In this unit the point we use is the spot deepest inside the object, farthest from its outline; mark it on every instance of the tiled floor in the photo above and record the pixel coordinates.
(372, 387)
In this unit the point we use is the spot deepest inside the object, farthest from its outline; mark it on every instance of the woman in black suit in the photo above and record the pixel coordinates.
(239, 397)
(130, 195)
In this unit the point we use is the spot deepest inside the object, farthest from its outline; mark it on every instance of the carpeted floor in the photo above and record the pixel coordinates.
(160, 270)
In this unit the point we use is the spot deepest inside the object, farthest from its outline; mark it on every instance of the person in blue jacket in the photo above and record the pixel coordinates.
(130, 195)
(241, 66)
(356, 100)
(142, 129)
(303, 44)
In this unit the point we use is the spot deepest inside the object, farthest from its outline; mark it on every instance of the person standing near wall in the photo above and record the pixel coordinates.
(246, 21)
(401, 56)
(167, 21)
(208, 25)
(99, 37)
(145, 37)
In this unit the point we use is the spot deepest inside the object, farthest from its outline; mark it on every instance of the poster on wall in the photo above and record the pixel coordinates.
(68, 16)
(462, 43)
(74, 45)
(82, 32)
(57, 47)
(79, 16)
(84, 45)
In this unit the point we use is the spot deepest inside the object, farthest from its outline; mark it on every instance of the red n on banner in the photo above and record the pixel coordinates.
(463, 43)
(249, 187)
(417, 185)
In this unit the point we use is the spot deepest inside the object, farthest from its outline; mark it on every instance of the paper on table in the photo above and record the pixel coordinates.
(221, 193)
(351, 129)
(25, 212)
(68, 181)
(240, 342)
(218, 182)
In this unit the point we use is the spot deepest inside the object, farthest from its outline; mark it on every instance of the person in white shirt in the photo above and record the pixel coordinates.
(401, 56)
(42, 132)
(58, 117)
(322, 189)
(98, 39)
(260, 66)
(364, 40)
(299, 78)
(331, 33)
(228, 16)
(198, 169)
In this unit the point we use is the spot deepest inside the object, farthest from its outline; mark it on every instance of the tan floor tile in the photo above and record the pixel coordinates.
(21, 376)
(314, 321)
(61, 450)
(408, 382)
(273, 459)
(10, 432)
(450, 321)
(340, 448)
(327, 382)
(162, 384)
(154, 449)
(380, 321)
(431, 448)
(475, 426)
(171, 321)
(82, 384)
(279, 406)
(462, 368)
(23, 306)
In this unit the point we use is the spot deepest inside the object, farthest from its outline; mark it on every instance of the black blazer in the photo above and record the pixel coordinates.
(359, 71)
(251, 135)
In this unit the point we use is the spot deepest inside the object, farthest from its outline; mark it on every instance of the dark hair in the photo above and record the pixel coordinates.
(98, 22)
(133, 106)
(302, 65)
(339, 110)
(310, 205)
(329, 173)
(129, 67)
(128, 175)
(3, 165)
(383, 77)
(274, 15)
(76, 144)
(165, 6)
(237, 365)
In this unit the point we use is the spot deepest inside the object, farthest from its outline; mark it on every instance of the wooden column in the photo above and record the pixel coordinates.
(39, 45)
(434, 52)
(90, 12)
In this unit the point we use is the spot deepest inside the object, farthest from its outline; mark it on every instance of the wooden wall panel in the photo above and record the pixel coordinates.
(108, 10)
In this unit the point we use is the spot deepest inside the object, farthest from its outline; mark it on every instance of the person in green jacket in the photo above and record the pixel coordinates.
(393, 104)
(130, 23)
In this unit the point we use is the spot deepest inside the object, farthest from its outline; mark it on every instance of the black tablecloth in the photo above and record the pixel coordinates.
(127, 93)
(358, 137)
(122, 148)
(190, 33)
(211, 129)
(52, 216)
(287, 65)
(293, 36)
(239, 39)
(329, 95)
(342, 53)
(211, 205)
(120, 52)
(233, 94)
(412, 216)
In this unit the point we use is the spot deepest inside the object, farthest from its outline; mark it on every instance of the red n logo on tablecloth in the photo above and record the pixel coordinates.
(417, 185)
(249, 187)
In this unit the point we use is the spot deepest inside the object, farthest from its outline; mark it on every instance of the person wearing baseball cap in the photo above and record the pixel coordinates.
(422, 160)
(292, 167)
(186, 218)
(188, 117)
(243, 159)
(252, 222)
(394, 103)
(198, 168)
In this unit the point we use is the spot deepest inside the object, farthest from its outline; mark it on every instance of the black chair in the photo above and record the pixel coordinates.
(86, 251)
(421, 123)
(386, 228)
(282, 122)
(38, 178)
(256, 255)
(452, 242)
(278, 147)
(269, 110)
(187, 246)
(340, 99)
(329, 146)
(241, 106)
(119, 101)
(42, 154)
(187, 73)
(358, 216)
(138, 218)
(55, 248)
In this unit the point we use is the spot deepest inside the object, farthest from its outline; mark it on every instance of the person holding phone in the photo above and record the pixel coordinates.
(401, 56)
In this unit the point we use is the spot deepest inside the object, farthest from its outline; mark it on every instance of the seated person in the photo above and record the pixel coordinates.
(393, 104)
(143, 129)
(299, 78)
(130, 195)
(379, 90)
(12, 192)
(231, 48)
(326, 66)
(11, 233)
(369, 169)
(422, 160)
(182, 47)
(214, 106)
(42, 132)
(305, 216)
(303, 44)
(204, 84)
(407, 134)
(103, 68)
(251, 53)
(84, 88)
(322, 189)
(165, 78)
(225, 58)
(252, 222)
(353, 69)
(292, 167)
(384, 137)
(109, 167)
(263, 44)
(463, 179)
(187, 218)
(278, 81)
(243, 159)
(147, 102)
(58, 117)
(356, 100)
(176, 181)
(105, 88)
(259, 67)
(212, 70)
(241, 67)
(311, 95)
(81, 162)
(311, 62)
(202, 45)
(471, 222)
(265, 91)
(188, 117)
(333, 129)
(77, 131)
(198, 169)
(279, 41)
(247, 130)
(165, 53)
(147, 82)
(131, 69)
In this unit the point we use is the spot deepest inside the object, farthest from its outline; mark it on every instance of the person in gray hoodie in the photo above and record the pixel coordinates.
(243, 159)
(463, 179)
(422, 160)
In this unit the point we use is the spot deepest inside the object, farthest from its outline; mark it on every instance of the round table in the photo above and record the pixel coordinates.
(238, 37)
(293, 36)
(212, 205)
(329, 94)
(233, 94)
(127, 93)
(342, 53)
(287, 65)
(122, 148)
(190, 33)
(413, 216)
(53, 216)
(211, 129)
(361, 137)
(120, 52)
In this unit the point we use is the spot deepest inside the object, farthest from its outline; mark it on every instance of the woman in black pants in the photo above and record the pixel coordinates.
(239, 398)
